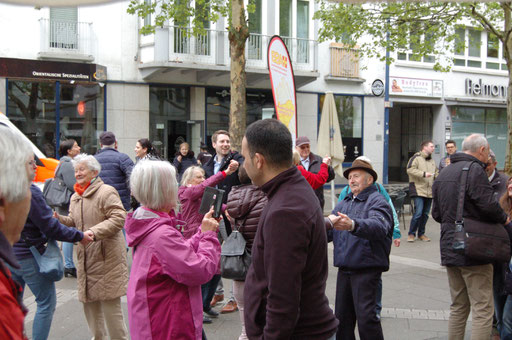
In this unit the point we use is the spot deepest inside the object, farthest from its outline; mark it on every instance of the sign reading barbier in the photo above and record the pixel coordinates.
(24, 68)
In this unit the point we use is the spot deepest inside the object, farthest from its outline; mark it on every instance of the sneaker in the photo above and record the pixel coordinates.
(424, 238)
(206, 319)
(229, 307)
(212, 313)
(216, 299)
(410, 238)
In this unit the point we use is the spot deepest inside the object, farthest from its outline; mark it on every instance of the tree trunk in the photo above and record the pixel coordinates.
(507, 46)
(238, 34)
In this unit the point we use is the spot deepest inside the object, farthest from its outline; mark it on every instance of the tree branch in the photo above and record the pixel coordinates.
(485, 23)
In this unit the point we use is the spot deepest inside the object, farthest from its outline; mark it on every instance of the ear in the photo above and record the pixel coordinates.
(259, 160)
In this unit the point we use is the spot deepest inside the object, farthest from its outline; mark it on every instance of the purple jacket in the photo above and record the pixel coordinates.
(190, 198)
(164, 291)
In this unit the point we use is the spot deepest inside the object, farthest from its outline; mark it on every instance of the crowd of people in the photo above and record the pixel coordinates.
(271, 188)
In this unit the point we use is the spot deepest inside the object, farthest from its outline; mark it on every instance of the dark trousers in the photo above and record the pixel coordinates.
(356, 300)
(419, 219)
(208, 290)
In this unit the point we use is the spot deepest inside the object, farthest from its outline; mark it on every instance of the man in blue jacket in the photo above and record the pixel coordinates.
(362, 228)
(116, 167)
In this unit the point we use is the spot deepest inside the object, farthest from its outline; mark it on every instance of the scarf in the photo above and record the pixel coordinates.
(81, 189)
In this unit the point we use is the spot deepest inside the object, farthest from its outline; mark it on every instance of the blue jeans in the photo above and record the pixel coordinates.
(208, 290)
(44, 292)
(419, 219)
(67, 250)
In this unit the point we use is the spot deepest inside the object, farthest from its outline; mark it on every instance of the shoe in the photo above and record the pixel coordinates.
(216, 299)
(206, 319)
(229, 307)
(410, 238)
(70, 272)
(212, 313)
(424, 238)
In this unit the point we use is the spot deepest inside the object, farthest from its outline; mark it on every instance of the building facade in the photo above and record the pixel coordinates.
(88, 69)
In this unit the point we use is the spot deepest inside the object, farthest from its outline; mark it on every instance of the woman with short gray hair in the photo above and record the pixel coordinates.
(167, 269)
(102, 270)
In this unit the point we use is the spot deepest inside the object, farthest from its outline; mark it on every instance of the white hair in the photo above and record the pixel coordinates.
(89, 160)
(189, 174)
(14, 155)
(474, 142)
(154, 185)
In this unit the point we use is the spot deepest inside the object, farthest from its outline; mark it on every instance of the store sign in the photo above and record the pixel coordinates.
(25, 68)
(377, 87)
(416, 87)
(480, 89)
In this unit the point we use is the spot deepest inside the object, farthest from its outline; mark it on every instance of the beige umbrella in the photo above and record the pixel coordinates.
(329, 138)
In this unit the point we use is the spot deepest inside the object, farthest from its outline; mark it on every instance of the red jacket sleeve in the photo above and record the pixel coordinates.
(11, 317)
(315, 180)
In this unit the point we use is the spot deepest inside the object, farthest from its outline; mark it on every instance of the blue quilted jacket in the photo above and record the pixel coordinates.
(116, 168)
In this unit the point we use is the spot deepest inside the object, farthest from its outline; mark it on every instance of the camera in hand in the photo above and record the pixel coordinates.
(212, 197)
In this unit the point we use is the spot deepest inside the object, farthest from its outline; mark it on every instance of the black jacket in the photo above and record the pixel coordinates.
(285, 286)
(314, 167)
(231, 180)
(499, 184)
(479, 203)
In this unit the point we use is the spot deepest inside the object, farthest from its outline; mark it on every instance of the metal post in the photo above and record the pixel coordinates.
(386, 114)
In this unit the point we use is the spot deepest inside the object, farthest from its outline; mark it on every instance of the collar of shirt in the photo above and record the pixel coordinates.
(216, 165)
(305, 163)
(492, 175)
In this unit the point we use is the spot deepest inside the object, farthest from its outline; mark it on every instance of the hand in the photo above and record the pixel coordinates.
(508, 220)
(88, 237)
(344, 222)
(179, 158)
(230, 219)
(447, 161)
(209, 223)
(327, 160)
(333, 219)
(56, 215)
(396, 242)
(233, 166)
(428, 174)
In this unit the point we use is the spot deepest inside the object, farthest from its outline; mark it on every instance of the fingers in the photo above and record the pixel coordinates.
(209, 214)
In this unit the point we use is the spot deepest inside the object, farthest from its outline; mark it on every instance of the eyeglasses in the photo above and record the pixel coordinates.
(32, 163)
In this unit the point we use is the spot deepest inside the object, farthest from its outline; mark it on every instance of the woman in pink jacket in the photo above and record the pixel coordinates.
(164, 290)
(191, 191)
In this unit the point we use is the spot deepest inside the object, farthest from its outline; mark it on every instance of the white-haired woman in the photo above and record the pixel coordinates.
(102, 271)
(164, 291)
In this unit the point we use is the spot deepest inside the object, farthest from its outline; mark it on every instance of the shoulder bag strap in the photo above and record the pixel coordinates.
(462, 192)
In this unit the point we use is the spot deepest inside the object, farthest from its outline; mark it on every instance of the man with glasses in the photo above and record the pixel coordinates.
(311, 163)
(451, 148)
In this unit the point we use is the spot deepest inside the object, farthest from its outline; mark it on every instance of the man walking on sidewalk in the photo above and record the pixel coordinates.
(422, 171)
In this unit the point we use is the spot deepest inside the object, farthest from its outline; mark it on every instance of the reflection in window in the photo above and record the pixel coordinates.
(350, 117)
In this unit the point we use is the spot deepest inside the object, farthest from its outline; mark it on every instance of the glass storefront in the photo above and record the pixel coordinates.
(350, 117)
(43, 110)
(217, 108)
(491, 122)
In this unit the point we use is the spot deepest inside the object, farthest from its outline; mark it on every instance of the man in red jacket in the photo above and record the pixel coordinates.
(285, 286)
(16, 159)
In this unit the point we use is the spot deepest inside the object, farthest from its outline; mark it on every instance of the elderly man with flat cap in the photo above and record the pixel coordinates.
(312, 163)
(361, 226)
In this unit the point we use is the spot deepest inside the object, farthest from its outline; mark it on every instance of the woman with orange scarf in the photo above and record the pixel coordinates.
(102, 271)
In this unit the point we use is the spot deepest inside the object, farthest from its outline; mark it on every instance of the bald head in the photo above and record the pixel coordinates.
(477, 146)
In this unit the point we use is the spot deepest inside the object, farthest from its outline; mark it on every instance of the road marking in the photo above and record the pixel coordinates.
(417, 263)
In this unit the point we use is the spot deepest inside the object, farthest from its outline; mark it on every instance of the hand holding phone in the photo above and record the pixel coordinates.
(209, 223)
(212, 197)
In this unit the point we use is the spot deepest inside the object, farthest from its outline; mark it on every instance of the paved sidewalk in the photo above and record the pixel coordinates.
(416, 298)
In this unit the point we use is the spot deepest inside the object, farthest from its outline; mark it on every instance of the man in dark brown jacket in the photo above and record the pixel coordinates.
(285, 286)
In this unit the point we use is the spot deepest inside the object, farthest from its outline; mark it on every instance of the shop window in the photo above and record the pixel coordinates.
(491, 122)
(217, 108)
(32, 108)
(169, 116)
(350, 117)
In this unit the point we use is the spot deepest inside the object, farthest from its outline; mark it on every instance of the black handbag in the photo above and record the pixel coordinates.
(234, 257)
(478, 240)
(55, 192)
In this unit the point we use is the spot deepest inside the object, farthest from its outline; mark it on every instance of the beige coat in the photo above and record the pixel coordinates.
(419, 184)
(102, 265)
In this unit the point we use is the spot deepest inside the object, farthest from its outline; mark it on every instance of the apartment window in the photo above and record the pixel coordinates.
(147, 18)
(416, 37)
(255, 41)
(285, 18)
(302, 31)
(185, 41)
(473, 55)
(64, 28)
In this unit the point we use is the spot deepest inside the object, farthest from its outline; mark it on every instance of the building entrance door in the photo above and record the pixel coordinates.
(409, 126)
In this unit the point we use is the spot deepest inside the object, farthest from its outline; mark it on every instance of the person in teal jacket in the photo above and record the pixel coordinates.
(396, 229)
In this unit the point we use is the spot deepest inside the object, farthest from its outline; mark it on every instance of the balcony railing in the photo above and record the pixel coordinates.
(212, 48)
(65, 36)
(344, 61)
